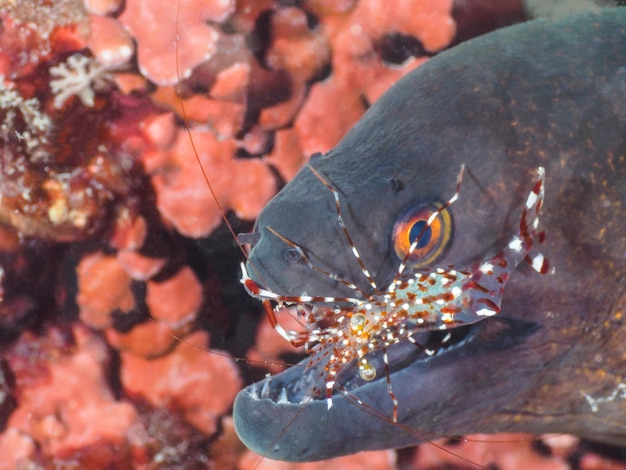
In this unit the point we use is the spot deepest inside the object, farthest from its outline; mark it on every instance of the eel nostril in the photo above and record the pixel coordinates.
(250, 238)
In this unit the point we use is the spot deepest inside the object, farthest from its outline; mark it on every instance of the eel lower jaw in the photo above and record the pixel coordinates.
(267, 408)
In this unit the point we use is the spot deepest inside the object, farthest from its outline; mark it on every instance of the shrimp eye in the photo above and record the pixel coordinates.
(412, 226)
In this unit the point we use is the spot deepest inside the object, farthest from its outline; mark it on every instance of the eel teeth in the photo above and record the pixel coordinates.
(253, 391)
(282, 398)
(265, 391)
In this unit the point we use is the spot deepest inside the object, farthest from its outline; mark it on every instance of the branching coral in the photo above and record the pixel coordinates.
(61, 168)
(78, 76)
(36, 126)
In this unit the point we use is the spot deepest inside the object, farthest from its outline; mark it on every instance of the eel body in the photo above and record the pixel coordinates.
(544, 93)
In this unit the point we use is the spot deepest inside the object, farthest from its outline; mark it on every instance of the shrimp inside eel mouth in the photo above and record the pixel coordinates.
(304, 382)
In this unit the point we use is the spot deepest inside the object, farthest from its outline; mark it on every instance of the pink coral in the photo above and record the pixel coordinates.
(330, 7)
(148, 339)
(199, 383)
(130, 232)
(155, 27)
(103, 286)
(232, 82)
(318, 131)
(103, 7)
(595, 462)
(109, 42)
(18, 450)
(429, 21)
(376, 460)
(183, 196)
(176, 300)
(138, 266)
(248, 12)
(358, 70)
(287, 155)
(302, 51)
(66, 404)
(104, 283)
(507, 451)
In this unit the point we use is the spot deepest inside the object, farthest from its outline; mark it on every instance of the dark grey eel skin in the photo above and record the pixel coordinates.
(544, 93)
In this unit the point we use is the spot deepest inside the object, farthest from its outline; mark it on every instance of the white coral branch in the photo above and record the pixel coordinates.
(79, 76)
(37, 125)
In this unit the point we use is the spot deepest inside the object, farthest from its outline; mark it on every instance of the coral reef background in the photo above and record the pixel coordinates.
(124, 332)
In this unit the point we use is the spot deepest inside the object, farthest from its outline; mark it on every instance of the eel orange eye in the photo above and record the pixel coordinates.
(431, 239)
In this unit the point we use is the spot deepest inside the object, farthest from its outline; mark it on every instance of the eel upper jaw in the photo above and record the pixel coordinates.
(282, 418)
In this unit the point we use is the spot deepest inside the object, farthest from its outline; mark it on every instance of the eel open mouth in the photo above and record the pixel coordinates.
(308, 380)
(286, 417)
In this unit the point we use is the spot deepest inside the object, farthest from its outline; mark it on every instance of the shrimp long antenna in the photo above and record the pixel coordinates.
(195, 151)
(346, 233)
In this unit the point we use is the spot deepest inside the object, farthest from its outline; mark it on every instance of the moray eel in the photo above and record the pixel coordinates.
(544, 93)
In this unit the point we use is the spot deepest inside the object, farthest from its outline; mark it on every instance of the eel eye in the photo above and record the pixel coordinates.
(431, 239)
(292, 255)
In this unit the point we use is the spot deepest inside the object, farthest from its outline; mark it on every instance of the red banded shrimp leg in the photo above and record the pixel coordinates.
(486, 283)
